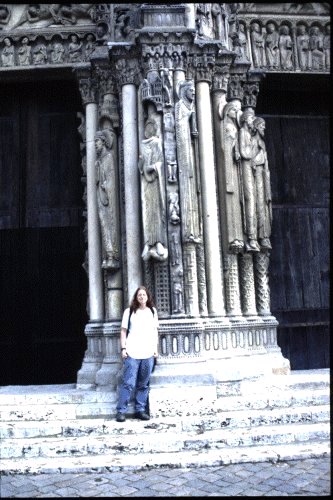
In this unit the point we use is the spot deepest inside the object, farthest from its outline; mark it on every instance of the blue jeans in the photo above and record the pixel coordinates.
(136, 376)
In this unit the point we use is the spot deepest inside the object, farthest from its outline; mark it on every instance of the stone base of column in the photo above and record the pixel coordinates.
(107, 376)
(197, 355)
(86, 376)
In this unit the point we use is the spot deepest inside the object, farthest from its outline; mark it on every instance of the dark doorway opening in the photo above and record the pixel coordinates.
(43, 286)
(296, 111)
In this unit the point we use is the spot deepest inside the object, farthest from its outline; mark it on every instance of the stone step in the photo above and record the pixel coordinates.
(71, 404)
(297, 380)
(167, 441)
(189, 458)
(199, 424)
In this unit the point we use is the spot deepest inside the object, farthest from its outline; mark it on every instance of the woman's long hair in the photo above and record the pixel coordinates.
(134, 305)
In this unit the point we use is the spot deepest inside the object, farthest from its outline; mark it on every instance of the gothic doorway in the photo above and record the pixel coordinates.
(296, 111)
(43, 286)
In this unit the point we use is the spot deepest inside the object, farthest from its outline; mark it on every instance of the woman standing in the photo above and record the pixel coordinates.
(139, 348)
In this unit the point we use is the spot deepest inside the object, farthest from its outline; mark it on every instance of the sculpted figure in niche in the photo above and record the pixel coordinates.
(57, 53)
(90, 46)
(75, 49)
(257, 42)
(303, 47)
(233, 226)
(272, 46)
(286, 48)
(23, 52)
(186, 128)
(107, 211)
(39, 54)
(327, 46)
(317, 49)
(7, 56)
(263, 184)
(238, 39)
(219, 14)
(246, 149)
(152, 194)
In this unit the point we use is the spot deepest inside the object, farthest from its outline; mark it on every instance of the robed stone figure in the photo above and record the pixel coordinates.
(232, 229)
(106, 199)
(152, 194)
(186, 134)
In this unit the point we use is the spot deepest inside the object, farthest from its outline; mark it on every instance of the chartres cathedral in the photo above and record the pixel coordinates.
(183, 147)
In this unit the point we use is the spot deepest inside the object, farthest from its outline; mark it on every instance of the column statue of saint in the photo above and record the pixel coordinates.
(107, 211)
(152, 194)
(246, 149)
(263, 185)
(186, 130)
(233, 227)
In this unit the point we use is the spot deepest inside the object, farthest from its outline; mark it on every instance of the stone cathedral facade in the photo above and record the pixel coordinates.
(176, 176)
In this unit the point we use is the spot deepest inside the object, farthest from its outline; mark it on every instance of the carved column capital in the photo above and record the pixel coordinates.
(127, 71)
(106, 80)
(201, 67)
(251, 89)
(221, 78)
(235, 88)
(87, 85)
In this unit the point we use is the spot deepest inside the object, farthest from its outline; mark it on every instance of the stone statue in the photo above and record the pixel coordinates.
(303, 47)
(219, 16)
(173, 208)
(257, 42)
(248, 179)
(152, 194)
(107, 210)
(272, 47)
(185, 124)
(286, 48)
(263, 185)
(7, 56)
(316, 48)
(57, 53)
(327, 46)
(233, 226)
(90, 46)
(24, 52)
(39, 54)
(75, 49)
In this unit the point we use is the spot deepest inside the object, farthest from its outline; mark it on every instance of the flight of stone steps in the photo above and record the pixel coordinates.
(58, 428)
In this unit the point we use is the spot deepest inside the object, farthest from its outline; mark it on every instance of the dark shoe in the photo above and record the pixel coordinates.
(142, 415)
(120, 417)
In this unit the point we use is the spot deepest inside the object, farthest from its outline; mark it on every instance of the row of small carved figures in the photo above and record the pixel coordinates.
(23, 54)
(284, 47)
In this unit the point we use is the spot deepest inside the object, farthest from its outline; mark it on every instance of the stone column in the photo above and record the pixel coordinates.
(94, 354)
(209, 202)
(96, 304)
(132, 194)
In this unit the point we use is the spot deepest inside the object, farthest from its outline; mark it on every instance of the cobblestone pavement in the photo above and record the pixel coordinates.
(308, 477)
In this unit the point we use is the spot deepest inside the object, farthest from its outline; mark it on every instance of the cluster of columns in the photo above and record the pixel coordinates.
(231, 292)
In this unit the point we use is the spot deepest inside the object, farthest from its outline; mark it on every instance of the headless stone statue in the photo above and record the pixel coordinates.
(107, 211)
(152, 195)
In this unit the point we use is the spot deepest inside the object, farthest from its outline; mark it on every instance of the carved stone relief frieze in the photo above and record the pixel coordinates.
(284, 45)
(40, 51)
